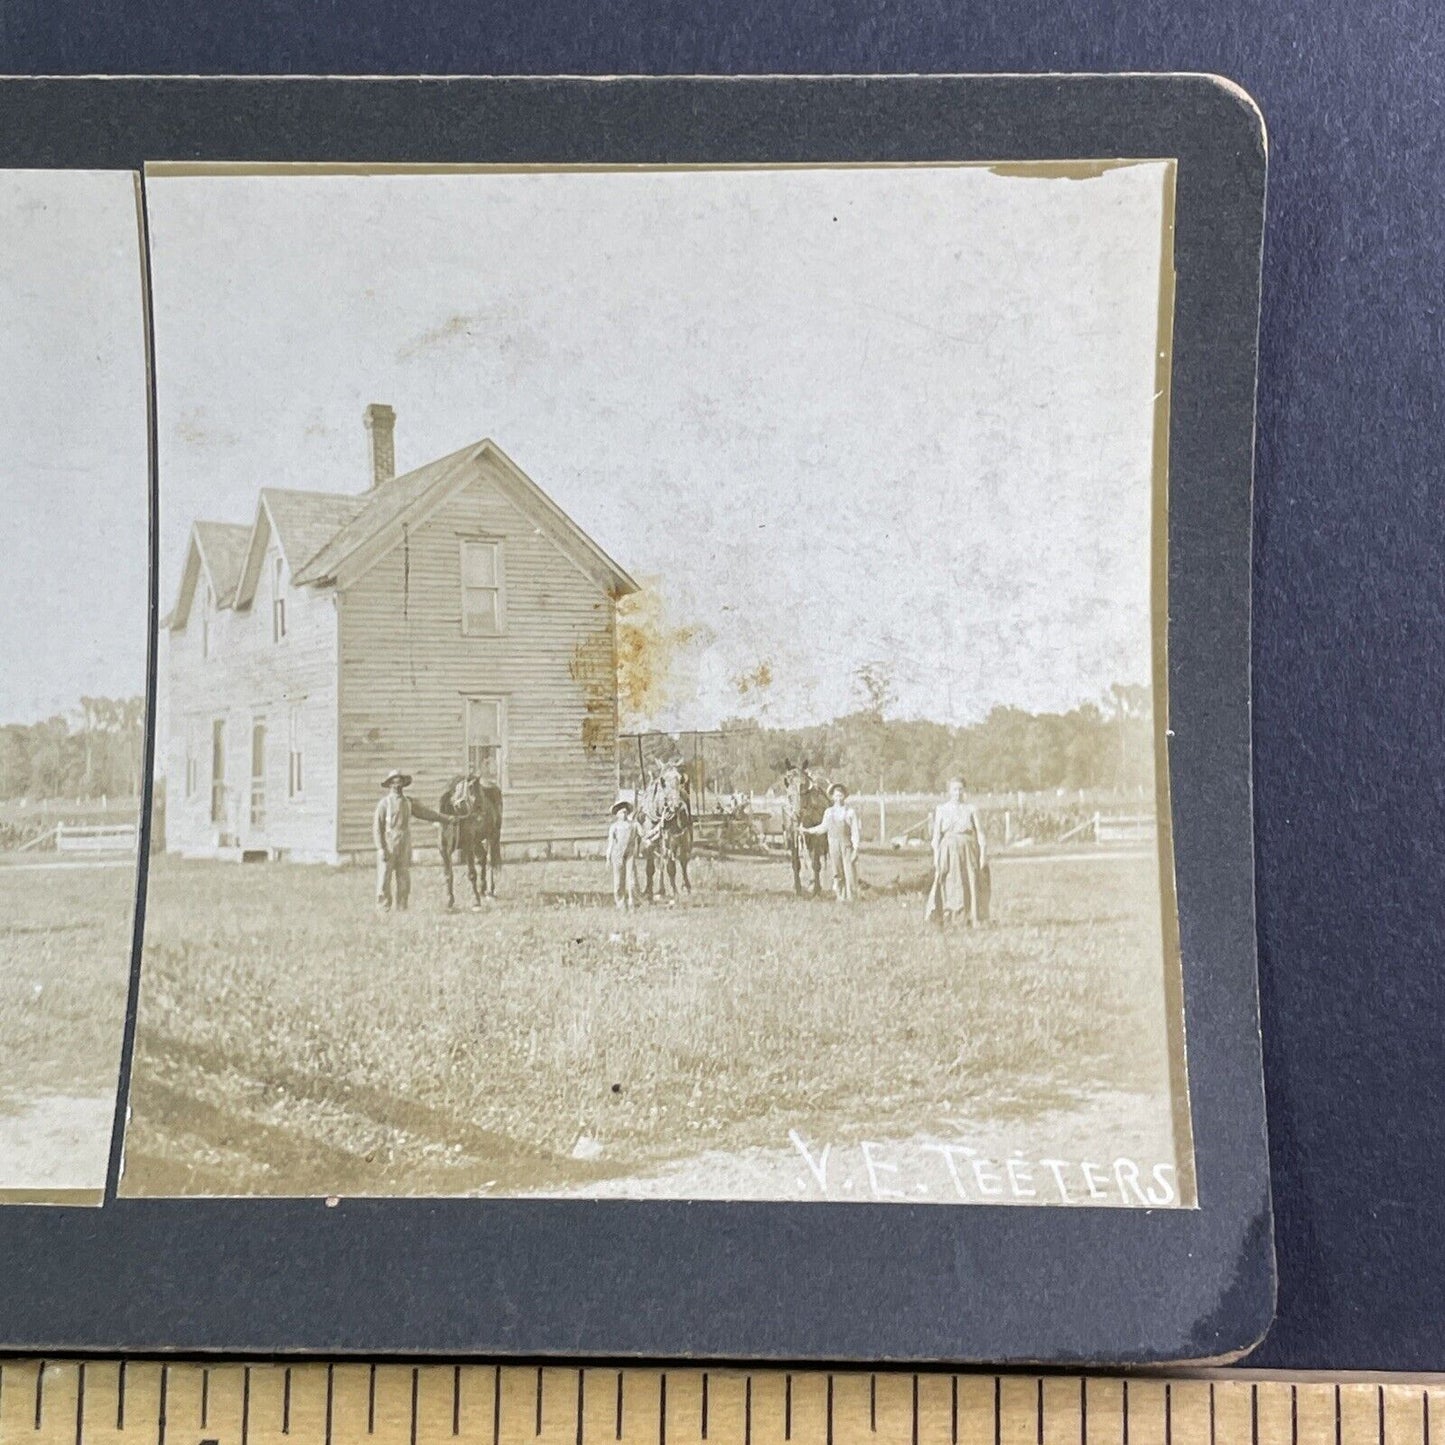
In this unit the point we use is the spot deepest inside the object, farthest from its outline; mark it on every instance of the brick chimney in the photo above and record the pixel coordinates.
(381, 431)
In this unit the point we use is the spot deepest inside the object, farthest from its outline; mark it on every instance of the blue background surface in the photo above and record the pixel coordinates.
(1349, 586)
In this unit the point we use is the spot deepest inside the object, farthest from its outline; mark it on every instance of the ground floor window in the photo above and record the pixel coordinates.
(193, 763)
(486, 738)
(296, 773)
(258, 772)
(218, 770)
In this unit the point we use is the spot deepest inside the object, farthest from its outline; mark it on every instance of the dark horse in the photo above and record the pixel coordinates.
(471, 828)
(804, 804)
(665, 813)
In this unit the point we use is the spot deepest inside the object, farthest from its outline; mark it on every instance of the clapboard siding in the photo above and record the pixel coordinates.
(407, 667)
(249, 675)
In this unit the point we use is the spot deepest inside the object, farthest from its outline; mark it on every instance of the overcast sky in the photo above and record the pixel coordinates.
(835, 416)
(73, 440)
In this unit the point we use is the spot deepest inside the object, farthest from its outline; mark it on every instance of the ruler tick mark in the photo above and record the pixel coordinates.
(415, 1392)
(1211, 1413)
(165, 1390)
(330, 1399)
(1125, 1422)
(581, 1402)
(704, 1403)
(497, 1406)
(830, 1410)
(1254, 1414)
(1294, 1415)
(915, 1412)
(371, 1401)
(873, 1403)
(662, 1409)
(286, 1401)
(1084, 1410)
(39, 1393)
(787, 1407)
(1380, 1396)
(1337, 1414)
(1038, 1410)
(456, 1399)
(618, 1434)
(245, 1404)
(998, 1411)
(1425, 1414)
(120, 1397)
(539, 1400)
(748, 1412)
(953, 1410)
(80, 1405)
(205, 1397)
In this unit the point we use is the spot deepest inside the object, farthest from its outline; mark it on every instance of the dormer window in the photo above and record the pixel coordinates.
(278, 600)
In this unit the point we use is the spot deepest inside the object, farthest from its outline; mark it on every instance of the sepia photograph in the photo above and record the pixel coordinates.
(73, 594)
(661, 687)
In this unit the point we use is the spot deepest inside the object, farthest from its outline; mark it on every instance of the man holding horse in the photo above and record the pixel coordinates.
(391, 832)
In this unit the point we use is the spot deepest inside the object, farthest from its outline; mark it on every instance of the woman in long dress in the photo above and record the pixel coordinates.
(960, 854)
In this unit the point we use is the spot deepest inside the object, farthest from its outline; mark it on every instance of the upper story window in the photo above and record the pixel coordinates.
(482, 602)
(278, 599)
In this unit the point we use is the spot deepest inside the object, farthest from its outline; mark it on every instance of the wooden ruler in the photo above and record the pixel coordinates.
(149, 1403)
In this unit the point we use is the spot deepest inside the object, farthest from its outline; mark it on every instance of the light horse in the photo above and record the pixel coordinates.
(665, 813)
(804, 804)
(471, 827)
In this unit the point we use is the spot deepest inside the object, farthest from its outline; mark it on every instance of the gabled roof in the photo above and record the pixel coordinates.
(408, 500)
(383, 507)
(223, 551)
(302, 522)
(217, 551)
(324, 535)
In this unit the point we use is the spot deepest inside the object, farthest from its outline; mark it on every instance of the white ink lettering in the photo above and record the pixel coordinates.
(1160, 1172)
(1056, 1167)
(948, 1151)
(1020, 1173)
(873, 1167)
(1093, 1177)
(1126, 1176)
(994, 1178)
(818, 1166)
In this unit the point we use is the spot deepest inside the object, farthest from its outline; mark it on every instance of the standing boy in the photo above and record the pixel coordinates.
(840, 823)
(624, 843)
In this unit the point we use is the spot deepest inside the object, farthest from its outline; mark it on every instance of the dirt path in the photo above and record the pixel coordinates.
(55, 1143)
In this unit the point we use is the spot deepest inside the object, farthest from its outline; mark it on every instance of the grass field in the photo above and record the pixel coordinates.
(65, 944)
(291, 1040)
(65, 937)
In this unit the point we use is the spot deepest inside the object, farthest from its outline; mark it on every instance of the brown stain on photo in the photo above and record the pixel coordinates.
(760, 679)
(593, 666)
(648, 648)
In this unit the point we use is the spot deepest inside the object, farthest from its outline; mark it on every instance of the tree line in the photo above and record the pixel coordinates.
(98, 752)
(1107, 744)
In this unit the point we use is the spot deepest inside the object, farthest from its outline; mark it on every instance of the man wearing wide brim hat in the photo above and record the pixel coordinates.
(391, 832)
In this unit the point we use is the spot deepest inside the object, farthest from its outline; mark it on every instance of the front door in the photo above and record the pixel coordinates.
(258, 774)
